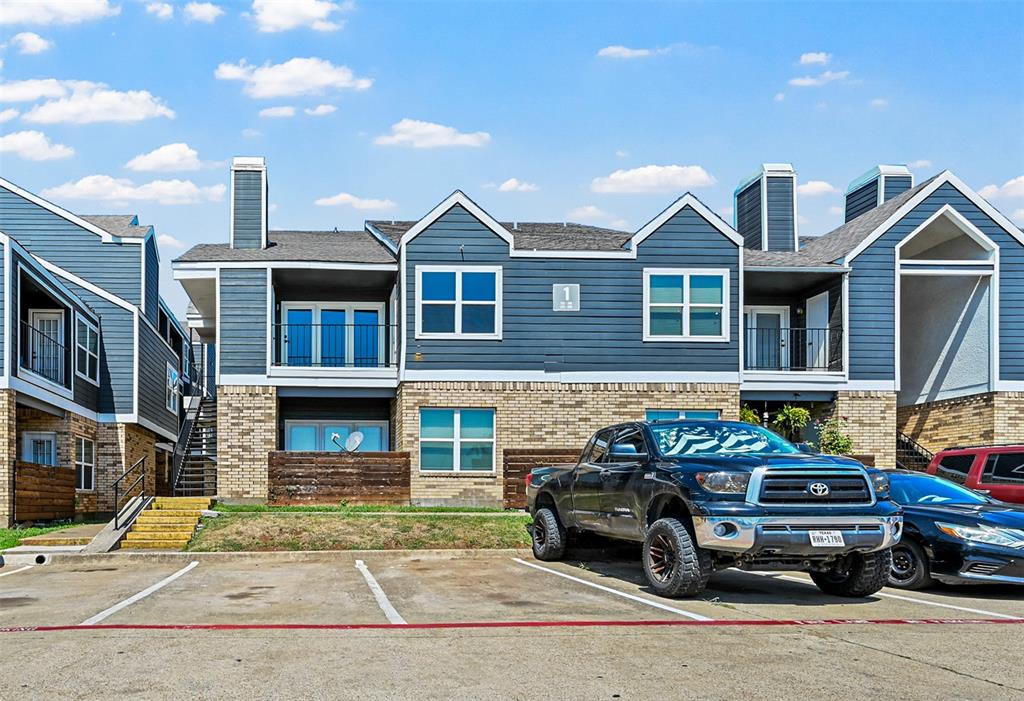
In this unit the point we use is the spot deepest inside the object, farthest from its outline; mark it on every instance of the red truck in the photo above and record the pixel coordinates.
(996, 470)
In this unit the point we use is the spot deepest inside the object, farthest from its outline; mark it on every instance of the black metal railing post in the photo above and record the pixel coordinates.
(785, 349)
(42, 354)
(333, 345)
(139, 481)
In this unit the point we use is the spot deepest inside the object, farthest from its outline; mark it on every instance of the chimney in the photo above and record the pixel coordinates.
(248, 202)
(764, 208)
(878, 185)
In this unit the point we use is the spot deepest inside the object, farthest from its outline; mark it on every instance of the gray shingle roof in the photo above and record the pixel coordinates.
(313, 246)
(782, 259)
(567, 236)
(126, 225)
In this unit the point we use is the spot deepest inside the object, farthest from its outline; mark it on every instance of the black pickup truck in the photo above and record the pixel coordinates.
(707, 495)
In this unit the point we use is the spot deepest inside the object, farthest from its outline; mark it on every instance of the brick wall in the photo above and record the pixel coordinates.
(118, 447)
(1008, 417)
(871, 423)
(991, 417)
(8, 454)
(246, 434)
(537, 415)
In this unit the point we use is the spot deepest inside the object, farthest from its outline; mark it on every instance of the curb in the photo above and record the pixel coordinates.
(281, 556)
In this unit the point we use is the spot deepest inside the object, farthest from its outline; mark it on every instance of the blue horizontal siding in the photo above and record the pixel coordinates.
(861, 200)
(242, 332)
(152, 280)
(895, 185)
(248, 209)
(3, 305)
(748, 215)
(154, 355)
(606, 335)
(781, 222)
(872, 292)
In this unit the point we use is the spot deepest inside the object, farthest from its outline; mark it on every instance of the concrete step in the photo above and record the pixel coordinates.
(147, 536)
(174, 513)
(188, 527)
(165, 544)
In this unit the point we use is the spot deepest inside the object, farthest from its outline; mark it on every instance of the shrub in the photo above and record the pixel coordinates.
(790, 421)
(749, 415)
(833, 437)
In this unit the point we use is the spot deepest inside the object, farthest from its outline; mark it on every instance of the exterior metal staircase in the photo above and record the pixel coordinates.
(911, 455)
(194, 465)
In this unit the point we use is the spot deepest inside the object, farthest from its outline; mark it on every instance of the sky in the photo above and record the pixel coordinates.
(601, 113)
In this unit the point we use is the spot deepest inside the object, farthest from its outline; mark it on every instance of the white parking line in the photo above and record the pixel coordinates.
(899, 597)
(382, 599)
(20, 569)
(137, 597)
(639, 599)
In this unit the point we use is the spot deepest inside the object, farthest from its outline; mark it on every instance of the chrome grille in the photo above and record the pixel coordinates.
(779, 486)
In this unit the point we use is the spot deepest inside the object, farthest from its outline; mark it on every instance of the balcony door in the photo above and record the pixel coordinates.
(46, 343)
(767, 338)
(332, 335)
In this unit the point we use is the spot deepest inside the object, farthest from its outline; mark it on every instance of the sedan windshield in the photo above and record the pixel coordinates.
(713, 438)
(922, 489)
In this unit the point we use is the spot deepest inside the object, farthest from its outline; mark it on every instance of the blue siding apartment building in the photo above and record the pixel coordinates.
(457, 336)
(91, 359)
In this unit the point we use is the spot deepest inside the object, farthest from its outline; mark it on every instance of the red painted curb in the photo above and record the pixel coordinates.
(520, 624)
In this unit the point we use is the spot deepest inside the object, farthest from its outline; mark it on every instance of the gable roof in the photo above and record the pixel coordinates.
(105, 236)
(302, 246)
(535, 235)
(125, 225)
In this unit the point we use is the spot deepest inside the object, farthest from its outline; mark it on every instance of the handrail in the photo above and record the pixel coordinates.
(42, 354)
(141, 479)
(790, 348)
(334, 345)
(184, 440)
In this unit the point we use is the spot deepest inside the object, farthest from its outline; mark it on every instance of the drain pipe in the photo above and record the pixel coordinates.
(26, 559)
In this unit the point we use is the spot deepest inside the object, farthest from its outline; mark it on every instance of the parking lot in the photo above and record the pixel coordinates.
(484, 624)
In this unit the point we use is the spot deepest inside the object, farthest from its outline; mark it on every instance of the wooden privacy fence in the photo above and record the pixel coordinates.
(42, 492)
(518, 463)
(355, 478)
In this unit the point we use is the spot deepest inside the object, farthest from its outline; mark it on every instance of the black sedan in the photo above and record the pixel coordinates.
(953, 534)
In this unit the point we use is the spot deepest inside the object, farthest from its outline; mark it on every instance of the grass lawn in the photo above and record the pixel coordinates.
(11, 537)
(351, 508)
(270, 531)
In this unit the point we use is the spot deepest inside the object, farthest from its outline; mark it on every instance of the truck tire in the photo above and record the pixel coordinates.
(910, 566)
(856, 575)
(675, 566)
(548, 536)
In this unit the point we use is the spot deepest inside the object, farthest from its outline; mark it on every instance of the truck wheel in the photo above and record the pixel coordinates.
(856, 575)
(910, 567)
(548, 536)
(675, 566)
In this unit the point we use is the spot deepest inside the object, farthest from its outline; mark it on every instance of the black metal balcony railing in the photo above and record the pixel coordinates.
(333, 345)
(43, 355)
(785, 349)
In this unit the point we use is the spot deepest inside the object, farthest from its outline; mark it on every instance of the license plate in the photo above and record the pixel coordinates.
(827, 539)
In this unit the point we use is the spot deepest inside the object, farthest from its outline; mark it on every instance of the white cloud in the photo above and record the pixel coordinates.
(589, 212)
(836, 210)
(55, 11)
(813, 188)
(170, 157)
(297, 76)
(779, 96)
(103, 188)
(33, 146)
(622, 153)
(653, 178)
(418, 134)
(726, 212)
(809, 81)
(32, 90)
(282, 111)
(320, 110)
(517, 185)
(87, 102)
(205, 12)
(1018, 216)
(251, 133)
(277, 16)
(169, 241)
(31, 43)
(160, 10)
(879, 103)
(1010, 189)
(618, 51)
(8, 114)
(921, 163)
(819, 58)
(344, 198)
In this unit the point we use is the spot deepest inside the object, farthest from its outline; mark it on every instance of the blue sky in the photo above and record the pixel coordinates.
(601, 113)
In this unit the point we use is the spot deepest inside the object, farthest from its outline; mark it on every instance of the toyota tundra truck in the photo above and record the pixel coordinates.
(708, 495)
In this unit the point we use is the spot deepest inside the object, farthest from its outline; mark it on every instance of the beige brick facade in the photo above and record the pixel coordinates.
(118, 448)
(8, 454)
(991, 417)
(246, 433)
(871, 423)
(537, 415)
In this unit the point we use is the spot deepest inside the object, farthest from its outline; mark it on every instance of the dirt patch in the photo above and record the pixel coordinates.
(263, 532)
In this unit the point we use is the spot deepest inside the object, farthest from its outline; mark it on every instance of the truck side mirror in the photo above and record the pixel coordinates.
(805, 448)
(626, 452)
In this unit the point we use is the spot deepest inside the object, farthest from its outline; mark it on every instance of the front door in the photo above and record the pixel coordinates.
(46, 344)
(586, 483)
(817, 332)
(767, 338)
(620, 485)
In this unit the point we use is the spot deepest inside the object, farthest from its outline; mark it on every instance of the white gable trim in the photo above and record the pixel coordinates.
(61, 212)
(673, 209)
(961, 222)
(379, 235)
(943, 178)
(457, 198)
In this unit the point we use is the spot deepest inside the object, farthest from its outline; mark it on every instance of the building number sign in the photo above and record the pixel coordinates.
(565, 297)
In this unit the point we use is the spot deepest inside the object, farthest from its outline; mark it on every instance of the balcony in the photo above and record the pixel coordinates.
(41, 353)
(782, 349)
(335, 346)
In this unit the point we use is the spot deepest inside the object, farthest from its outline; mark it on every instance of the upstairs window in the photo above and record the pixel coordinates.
(458, 302)
(87, 351)
(173, 389)
(85, 464)
(686, 304)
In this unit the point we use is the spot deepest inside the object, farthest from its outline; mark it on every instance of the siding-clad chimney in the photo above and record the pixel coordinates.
(248, 202)
(878, 185)
(764, 208)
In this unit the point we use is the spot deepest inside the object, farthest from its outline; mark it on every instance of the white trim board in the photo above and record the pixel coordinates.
(567, 377)
(209, 266)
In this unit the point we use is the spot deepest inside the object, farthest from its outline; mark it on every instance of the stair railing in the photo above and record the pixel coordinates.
(181, 445)
(910, 451)
(121, 491)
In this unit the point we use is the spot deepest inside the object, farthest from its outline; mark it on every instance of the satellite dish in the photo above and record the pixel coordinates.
(354, 440)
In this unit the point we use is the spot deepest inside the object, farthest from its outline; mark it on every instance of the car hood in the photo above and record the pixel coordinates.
(748, 463)
(996, 514)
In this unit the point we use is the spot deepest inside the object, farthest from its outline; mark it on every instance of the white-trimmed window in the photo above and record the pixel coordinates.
(457, 440)
(85, 464)
(173, 389)
(683, 414)
(458, 302)
(87, 351)
(686, 304)
(39, 447)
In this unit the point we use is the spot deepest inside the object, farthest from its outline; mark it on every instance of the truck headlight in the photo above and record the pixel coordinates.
(881, 484)
(724, 482)
(1006, 537)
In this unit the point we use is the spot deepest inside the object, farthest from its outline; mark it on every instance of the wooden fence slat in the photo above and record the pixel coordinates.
(517, 463)
(355, 478)
(42, 492)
